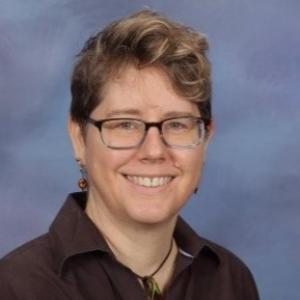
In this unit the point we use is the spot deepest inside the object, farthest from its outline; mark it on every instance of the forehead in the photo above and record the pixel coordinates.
(142, 91)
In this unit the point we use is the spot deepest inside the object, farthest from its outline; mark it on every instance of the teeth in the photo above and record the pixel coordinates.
(149, 181)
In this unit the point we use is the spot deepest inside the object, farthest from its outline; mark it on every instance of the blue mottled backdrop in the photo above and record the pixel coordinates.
(249, 197)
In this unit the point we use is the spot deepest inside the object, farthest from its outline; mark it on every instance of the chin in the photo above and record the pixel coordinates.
(152, 216)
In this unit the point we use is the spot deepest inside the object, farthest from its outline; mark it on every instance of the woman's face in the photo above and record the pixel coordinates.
(117, 178)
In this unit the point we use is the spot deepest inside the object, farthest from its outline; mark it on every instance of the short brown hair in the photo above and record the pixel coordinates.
(145, 38)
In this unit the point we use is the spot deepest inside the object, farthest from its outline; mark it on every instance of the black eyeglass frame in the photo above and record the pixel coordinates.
(148, 125)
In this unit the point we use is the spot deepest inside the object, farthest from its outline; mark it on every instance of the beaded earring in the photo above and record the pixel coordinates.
(82, 182)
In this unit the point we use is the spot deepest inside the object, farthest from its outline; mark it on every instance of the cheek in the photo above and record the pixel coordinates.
(104, 162)
(191, 161)
(191, 164)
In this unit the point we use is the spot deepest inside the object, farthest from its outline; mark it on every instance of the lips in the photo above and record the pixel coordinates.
(149, 181)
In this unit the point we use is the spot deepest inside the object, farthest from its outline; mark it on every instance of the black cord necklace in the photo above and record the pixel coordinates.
(150, 284)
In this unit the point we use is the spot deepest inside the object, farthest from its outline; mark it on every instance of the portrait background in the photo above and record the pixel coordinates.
(249, 196)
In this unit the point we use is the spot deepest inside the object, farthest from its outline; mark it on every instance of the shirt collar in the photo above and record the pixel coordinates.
(191, 245)
(73, 233)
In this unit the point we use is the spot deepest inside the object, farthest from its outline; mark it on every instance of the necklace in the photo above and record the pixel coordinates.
(150, 284)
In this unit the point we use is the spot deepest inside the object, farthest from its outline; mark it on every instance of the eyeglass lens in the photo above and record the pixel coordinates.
(130, 133)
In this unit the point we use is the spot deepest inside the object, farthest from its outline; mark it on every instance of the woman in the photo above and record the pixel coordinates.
(140, 122)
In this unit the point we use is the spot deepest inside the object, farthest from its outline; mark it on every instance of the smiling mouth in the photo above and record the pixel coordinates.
(149, 181)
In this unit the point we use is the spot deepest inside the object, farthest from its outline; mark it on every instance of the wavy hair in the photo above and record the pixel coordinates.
(145, 38)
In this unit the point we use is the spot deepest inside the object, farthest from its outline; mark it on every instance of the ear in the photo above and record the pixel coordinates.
(77, 140)
(209, 135)
(211, 131)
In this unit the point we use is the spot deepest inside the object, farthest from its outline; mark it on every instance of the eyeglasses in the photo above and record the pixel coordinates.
(129, 133)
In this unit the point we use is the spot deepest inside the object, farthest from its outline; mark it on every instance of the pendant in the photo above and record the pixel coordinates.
(152, 288)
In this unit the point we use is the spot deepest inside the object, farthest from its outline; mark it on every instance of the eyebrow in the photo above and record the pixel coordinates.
(136, 112)
(118, 112)
(174, 114)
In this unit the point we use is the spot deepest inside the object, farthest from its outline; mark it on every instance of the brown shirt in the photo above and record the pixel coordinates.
(72, 261)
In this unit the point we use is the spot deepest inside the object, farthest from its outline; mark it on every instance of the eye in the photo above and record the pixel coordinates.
(121, 124)
(126, 125)
(177, 125)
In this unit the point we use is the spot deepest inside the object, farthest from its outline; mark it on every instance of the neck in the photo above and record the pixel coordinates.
(140, 247)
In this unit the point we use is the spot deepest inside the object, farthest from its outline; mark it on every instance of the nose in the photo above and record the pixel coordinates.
(153, 146)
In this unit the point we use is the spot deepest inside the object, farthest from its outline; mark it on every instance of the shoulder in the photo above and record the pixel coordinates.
(24, 267)
(230, 269)
(202, 249)
(225, 258)
(32, 253)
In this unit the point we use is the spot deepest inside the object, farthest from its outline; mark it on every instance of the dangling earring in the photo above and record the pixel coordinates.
(82, 182)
